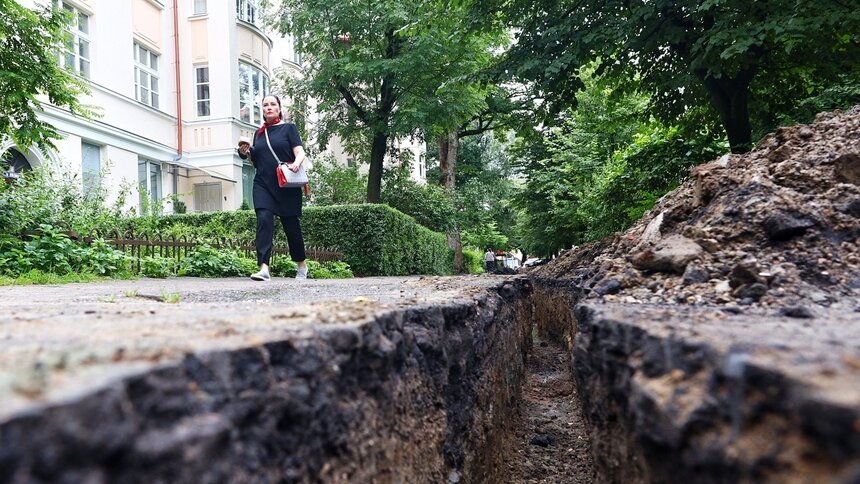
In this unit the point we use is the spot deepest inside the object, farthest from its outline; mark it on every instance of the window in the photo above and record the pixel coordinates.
(253, 85)
(202, 83)
(91, 161)
(145, 76)
(248, 184)
(247, 10)
(199, 7)
(149, 179)
(76, 49)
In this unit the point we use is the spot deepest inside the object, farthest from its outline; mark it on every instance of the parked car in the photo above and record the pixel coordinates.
(533, 261)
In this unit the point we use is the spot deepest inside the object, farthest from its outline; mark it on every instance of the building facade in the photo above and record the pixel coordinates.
(175, 84)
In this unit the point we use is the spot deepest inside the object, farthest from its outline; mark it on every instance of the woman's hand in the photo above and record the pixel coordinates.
(244, 148)
(294, 167)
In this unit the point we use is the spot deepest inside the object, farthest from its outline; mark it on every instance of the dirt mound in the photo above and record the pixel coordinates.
(778, 226)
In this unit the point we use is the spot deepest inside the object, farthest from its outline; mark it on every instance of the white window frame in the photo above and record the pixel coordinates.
(77, 52)
(204, 107)
(90, 175)
(253, 85)
(199, 7)
(248, 11)
(151, 169)
(145, 75)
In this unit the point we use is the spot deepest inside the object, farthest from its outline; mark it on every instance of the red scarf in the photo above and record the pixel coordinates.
(266, 125)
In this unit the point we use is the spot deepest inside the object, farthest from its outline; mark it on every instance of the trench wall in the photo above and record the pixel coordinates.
(667, 409)
(415, 395)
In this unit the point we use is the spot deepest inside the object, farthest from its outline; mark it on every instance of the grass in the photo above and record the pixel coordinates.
(39, 277)
(171, 297)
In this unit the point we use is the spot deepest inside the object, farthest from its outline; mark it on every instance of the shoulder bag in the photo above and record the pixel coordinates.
(287, 177)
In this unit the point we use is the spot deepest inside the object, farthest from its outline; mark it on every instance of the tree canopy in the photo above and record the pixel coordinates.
(717, 53)
(29, 40)
(385, 69)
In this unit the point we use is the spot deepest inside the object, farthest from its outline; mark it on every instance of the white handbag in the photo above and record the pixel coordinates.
(287, 177)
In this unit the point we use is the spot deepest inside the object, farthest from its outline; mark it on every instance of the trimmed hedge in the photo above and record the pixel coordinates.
(375, 239)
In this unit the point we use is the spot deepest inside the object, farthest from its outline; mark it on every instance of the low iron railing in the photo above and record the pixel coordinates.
(143, 245)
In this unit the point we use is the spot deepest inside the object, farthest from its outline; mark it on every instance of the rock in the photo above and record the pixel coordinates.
(800, 312)
(671, 254)
(752, 291)
(608, 286)
(651, 234)
(542, 440)
(847, 168)
(744, 273)
(783, 226)
(694, 274)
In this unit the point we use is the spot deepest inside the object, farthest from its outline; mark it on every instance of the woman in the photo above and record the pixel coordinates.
(269, 198)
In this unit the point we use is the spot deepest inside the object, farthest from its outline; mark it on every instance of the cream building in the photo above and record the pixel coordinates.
(176, 83)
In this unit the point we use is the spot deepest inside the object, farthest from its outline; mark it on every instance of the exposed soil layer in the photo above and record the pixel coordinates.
(551, 442)
(718, 339)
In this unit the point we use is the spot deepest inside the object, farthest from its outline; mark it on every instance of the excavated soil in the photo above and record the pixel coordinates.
(778, 227)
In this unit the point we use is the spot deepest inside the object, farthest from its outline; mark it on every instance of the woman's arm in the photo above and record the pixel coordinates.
(299, 152)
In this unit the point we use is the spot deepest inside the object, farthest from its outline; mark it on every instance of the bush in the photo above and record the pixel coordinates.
(206, 261)
(103, 260)
(474, 260)
(157, 267)
(375, 239)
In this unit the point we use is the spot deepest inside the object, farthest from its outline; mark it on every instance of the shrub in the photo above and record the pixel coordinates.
(206, 261)
(474, 260)
(102, 259)
(157, 267)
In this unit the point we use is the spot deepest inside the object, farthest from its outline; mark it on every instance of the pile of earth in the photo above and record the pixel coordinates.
(776, 227)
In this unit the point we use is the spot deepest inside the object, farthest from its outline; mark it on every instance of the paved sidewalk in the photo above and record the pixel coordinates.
(60, 341)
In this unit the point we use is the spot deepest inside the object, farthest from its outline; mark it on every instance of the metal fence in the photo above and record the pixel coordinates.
(142, 245)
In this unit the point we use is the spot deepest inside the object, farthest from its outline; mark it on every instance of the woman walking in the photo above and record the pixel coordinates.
(269, 198)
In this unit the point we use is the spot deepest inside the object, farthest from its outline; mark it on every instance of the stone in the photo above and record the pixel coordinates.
(695, 274)
(800, 312)
(783, 226)
(671, 254)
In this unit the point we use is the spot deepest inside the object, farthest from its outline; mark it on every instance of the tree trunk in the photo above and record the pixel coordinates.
(374, 176)
(731, 98)
(443, 160)
(449, 169)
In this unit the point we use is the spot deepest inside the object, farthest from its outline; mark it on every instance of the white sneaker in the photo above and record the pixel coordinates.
(260, 276)
(302, 273)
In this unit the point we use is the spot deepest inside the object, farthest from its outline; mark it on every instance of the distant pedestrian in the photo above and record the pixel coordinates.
(490, 260)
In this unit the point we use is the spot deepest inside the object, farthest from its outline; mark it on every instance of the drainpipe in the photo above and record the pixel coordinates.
(176, 69)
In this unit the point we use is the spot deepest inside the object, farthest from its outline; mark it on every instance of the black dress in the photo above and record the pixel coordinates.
(287, 201)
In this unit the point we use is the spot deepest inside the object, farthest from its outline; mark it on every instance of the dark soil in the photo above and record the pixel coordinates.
(778, 227)
(550, 442)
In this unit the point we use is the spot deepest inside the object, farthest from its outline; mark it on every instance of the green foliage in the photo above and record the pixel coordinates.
(474, 260)
(380, 70)
(427, 204)
(485, 235)
(36, 276)
(206, 261)
(104, 260)
(333, 184)
(714, 55)
(52, 252)
(52, 195)
(601, 169)
(29, 69)
(378, 240)
(335, 270)
(157, 267)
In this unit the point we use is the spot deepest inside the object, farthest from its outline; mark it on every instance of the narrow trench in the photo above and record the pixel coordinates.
(550, 441)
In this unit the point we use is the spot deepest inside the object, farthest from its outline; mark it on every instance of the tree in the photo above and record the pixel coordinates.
(29, 42)
(377, 69)
(687, 53)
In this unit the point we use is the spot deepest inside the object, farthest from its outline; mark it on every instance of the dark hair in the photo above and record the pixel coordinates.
(276, 99)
